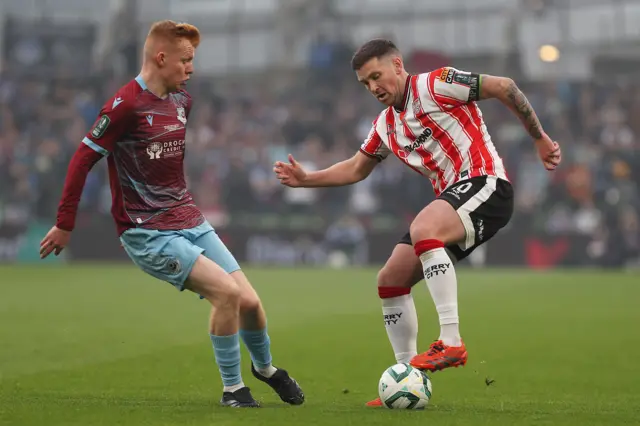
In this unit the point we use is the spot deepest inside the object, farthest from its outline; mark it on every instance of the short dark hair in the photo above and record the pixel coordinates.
(376, 48)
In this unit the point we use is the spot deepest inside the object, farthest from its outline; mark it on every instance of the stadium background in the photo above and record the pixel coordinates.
(273, 77)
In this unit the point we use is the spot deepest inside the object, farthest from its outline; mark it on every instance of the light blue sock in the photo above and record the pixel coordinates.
(259, 346)
(227, 353)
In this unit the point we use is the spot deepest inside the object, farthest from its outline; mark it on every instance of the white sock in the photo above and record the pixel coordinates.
(443, 286)
(233, 388)
(401, 322)
(267, 372)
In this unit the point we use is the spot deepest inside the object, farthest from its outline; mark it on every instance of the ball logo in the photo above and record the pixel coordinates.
(154, 150)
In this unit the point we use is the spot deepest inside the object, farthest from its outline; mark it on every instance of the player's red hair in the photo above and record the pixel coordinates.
(171, 31)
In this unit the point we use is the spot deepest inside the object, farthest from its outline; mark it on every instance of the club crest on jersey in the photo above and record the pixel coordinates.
(417, 106)
(181, 115)
(154, 150)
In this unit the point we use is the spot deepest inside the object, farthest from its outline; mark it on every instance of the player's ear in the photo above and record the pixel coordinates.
(397, 65)
(161, 58)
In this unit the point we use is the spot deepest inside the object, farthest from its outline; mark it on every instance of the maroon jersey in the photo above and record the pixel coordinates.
(143, 137)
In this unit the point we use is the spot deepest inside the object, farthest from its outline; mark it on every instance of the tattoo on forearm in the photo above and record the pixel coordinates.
(525, 111)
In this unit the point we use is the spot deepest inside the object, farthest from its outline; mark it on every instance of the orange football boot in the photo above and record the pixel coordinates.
(375, 403)
(440, 356)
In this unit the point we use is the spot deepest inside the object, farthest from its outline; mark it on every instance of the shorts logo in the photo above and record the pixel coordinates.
(461, 189)
(480, 229)
(100, 127)
(174, 266)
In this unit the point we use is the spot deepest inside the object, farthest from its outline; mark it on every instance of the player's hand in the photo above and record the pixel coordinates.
(549, 152)
(291, 174)
(55, 241)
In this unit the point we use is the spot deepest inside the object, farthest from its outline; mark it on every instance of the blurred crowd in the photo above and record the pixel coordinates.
(322, 117)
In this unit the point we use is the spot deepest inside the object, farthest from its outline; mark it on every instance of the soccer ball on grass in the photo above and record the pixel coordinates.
(402, 386)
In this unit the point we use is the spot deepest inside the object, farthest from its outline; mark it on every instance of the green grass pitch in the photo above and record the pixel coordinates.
(107, 345)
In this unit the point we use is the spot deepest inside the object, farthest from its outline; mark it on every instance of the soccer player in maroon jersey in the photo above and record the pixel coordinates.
(141, 130)
(433, 124)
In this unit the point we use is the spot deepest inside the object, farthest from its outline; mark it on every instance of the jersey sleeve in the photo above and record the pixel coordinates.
(453, 87)
(81, 163)
(373, 145)
(113, 122)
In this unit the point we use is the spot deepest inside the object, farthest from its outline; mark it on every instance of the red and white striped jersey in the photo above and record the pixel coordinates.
(440, 133)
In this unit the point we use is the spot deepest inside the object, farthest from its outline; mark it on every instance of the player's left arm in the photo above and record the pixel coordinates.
(453, 87)
(507, 91)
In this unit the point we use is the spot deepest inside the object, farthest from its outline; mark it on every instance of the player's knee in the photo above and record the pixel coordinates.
(387, 277)
(438, 221)
(250, 302)
(425, 231)
(225, 294)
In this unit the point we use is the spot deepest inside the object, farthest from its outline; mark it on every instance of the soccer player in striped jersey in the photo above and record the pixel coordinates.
(433, 124)
(141, 130)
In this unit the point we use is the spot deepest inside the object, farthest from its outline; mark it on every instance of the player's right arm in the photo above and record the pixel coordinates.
(113, 122)
(346, 172)
(343, 173)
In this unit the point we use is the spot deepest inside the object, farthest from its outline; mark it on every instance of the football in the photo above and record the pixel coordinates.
(402, 386)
